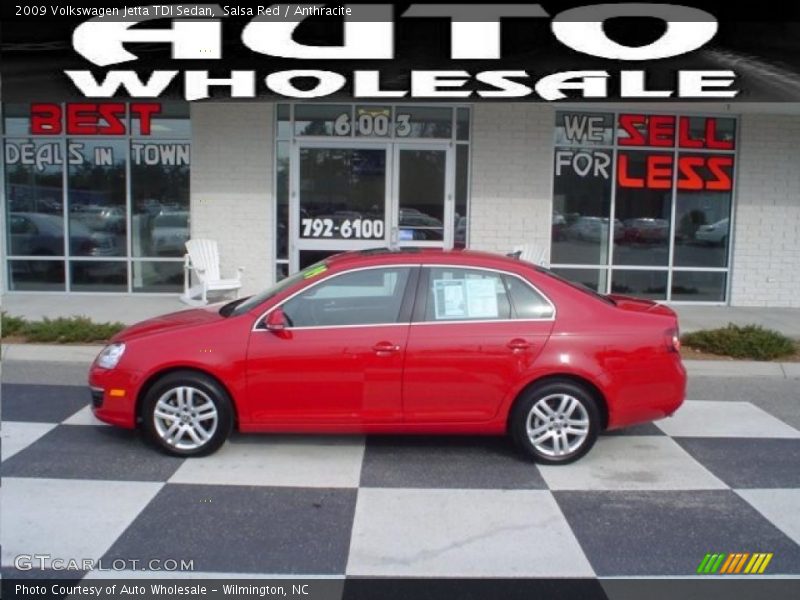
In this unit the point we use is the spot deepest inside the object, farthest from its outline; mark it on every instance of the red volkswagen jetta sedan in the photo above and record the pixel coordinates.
(408, 341)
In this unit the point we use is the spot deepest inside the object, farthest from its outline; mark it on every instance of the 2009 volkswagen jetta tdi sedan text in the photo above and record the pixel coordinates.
(411, 341)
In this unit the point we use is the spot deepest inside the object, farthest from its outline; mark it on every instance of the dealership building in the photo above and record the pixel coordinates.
(684, 203)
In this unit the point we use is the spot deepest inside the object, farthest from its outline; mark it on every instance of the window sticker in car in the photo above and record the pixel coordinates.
(481, 299)
(465, 299)
(314, 271)
(448, 298)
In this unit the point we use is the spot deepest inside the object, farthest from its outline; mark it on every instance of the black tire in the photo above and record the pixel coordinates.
(545, 393)
(203, 389)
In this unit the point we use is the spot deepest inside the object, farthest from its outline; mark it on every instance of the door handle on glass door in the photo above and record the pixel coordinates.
(518, 344)
(385, 347)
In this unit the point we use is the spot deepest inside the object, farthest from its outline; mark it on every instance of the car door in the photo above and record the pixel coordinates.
(340, 358)
(474, 335)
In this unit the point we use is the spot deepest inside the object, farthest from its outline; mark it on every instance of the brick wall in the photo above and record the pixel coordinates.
(232, 186)
(766, 243)
(512, 156)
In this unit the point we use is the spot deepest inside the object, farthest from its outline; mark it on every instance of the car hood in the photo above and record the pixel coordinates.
(171, 321)
(641, 305)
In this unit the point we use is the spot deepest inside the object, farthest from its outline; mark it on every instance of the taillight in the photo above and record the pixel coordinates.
(672, 340)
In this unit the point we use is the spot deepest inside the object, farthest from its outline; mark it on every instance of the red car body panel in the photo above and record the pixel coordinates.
(408, 377)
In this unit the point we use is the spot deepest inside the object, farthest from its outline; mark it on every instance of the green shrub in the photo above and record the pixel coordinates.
(11, 325)
(63, 330)
(748, 341)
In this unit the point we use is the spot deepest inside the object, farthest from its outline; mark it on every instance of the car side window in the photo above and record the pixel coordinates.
(367, 297)
(461, 294)
(527, 302)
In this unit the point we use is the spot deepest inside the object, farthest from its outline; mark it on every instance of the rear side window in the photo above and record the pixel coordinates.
(526, 302)
(456, 294)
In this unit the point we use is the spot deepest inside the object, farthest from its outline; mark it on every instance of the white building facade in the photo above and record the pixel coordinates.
(679, 203)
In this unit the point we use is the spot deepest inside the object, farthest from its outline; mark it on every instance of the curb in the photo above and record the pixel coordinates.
(85, 354)
(78, 354)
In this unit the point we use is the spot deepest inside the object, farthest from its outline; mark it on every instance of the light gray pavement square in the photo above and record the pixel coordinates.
(781, 506)
(632, 463)
(700, 418)
(302, 461)
(17, 436)
(462, 533)
(84, 417)
(68, 518)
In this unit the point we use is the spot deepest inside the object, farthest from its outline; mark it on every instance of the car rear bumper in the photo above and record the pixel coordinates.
(114, 393)
(649, 401)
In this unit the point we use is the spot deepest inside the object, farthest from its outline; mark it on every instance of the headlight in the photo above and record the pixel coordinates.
(110, 355)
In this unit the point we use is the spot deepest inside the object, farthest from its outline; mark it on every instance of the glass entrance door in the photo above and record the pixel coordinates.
(354, 197)
(339, 200)
(422, 210)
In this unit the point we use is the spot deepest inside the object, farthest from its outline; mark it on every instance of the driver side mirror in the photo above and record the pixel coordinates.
(276, 320)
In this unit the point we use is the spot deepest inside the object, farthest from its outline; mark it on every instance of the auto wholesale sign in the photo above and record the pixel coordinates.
(403, 51)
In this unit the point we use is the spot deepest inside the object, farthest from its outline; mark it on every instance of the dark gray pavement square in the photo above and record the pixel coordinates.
(91, 452)
(42, 403)
(244, 529)
(748, 462)
(669, 532)
(447, 462)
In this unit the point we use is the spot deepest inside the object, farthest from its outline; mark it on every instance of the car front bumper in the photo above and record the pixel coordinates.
(114, 393)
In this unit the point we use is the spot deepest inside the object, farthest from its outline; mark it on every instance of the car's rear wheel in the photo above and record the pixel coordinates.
(187, 414)
(555, 422)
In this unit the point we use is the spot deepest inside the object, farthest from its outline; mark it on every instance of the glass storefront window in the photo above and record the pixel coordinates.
(698, 286)
(584, 129)
(658, 187)
(323, 119)
(77, 239)
(581, 206)
(421, 194)
(96, 198)
(36, 275)
(643, 208)
(460, 237)
(98, 276)
(282, 200)
(594, 279)
(423, 122)
(171, 121)
(342, 193)
(157, 276)
(160, 198)
(34, 197)
(644, 284)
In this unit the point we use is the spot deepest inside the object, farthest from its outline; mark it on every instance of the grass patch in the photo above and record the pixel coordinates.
(741, 341)
(63, 330)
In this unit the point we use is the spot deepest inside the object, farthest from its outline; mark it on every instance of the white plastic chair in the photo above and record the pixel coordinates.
(531, 253)
(202, 257)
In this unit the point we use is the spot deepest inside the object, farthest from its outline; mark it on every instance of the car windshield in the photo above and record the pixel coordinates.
(577, 286)
(243, 305)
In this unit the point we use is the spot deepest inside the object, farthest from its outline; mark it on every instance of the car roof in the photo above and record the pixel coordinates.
(417, 255)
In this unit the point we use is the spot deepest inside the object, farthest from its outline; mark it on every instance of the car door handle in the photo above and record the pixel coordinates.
(518, 344)
(385, 347)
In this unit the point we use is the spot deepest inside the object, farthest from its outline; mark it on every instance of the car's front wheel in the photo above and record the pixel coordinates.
(555, 422)
(187, 414)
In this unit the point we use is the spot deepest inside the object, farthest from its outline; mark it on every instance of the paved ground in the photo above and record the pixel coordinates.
(721, 476)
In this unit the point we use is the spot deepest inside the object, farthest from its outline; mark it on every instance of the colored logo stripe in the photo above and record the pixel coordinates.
(734, 562)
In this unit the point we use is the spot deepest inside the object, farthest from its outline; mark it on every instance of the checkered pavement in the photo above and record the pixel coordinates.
(720, 476)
